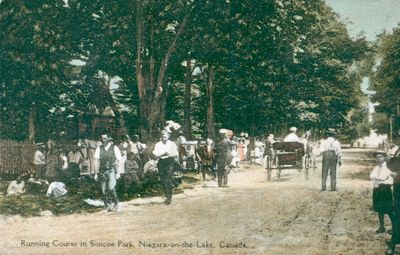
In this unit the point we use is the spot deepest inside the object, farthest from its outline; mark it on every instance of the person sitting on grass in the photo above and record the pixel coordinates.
(382, 197)
(16, 187)
(34, 185)
(56, 189)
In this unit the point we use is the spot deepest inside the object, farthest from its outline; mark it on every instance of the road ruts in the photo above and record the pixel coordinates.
(286, 216)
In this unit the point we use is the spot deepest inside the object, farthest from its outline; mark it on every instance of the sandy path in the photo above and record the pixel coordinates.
(286, 216)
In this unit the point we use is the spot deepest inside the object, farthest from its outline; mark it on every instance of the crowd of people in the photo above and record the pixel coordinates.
(57, 165)
(125, 163)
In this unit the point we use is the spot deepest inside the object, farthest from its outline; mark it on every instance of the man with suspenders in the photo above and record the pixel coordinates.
(331, 158)
(108, 156)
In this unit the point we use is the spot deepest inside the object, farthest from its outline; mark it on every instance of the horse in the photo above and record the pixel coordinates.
(206, 158)
(311, 149)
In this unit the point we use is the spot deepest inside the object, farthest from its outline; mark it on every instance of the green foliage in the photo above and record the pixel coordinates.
(386, 81)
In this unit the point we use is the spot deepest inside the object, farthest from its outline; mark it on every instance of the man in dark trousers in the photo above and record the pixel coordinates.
(223, 156)
(166, 152)
(331, 158)
(108, 156)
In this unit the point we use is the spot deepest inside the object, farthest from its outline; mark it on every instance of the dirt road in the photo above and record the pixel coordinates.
(251, 216)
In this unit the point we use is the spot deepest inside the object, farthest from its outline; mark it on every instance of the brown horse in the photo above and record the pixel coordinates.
(206, 157)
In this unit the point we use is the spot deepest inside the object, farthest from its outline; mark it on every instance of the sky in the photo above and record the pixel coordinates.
(369, 16)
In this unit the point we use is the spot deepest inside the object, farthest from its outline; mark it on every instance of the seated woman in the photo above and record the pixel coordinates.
(34, 185)
(16, 187)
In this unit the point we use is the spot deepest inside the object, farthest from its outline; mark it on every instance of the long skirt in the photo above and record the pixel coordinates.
(382, 199)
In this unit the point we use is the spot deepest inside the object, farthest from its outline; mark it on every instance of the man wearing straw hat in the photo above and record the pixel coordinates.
(331, 158)
(292, 137)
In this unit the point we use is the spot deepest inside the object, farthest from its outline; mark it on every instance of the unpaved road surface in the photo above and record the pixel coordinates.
(252, 215)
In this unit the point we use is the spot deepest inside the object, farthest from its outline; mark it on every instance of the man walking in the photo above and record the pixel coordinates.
(223, 157)
(331, 158)
(108, 155)
(166, 152)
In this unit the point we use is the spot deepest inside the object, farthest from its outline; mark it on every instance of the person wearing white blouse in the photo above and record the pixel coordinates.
(166, 152)
(382, 198)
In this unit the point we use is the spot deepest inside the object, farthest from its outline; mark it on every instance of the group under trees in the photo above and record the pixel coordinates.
(254, 66)
(386, 82)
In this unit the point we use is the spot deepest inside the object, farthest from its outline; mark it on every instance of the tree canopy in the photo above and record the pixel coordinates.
(255, 66)
(385, 82)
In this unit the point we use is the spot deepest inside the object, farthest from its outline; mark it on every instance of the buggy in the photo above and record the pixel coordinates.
(287, 155)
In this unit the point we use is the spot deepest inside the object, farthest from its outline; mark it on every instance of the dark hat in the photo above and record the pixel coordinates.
(376, 153)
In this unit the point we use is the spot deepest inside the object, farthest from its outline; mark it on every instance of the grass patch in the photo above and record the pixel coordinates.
(28, 205)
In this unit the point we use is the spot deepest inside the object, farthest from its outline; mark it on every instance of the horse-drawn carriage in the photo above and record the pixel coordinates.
(287, 155)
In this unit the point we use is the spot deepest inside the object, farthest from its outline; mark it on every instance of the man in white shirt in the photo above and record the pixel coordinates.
(292, 137)
(331, 158)
(16, 187)
(166, 152)
(109, 155)
(39, 161)
(382, 197)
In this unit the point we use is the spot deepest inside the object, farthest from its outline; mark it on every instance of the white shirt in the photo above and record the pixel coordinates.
(15, 188)
(160, 148)
(381, 175)
(292, 137)
(56, 189)
(117, 152)
(39, 158)
(330, 143)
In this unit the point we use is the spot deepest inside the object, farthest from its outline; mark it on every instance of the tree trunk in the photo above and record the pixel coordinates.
(187, 109)
(151, 84)
(152, 116)
(210, 87)
(31, 128)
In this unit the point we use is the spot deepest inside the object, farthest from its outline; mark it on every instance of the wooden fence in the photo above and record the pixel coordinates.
(15, 157)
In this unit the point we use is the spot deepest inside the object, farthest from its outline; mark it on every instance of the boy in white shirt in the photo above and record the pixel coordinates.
(382, 197)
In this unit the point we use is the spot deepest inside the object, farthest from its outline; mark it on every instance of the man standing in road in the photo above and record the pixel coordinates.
(109, 155)
(223, 156)
(166, 152)
(331, 158)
